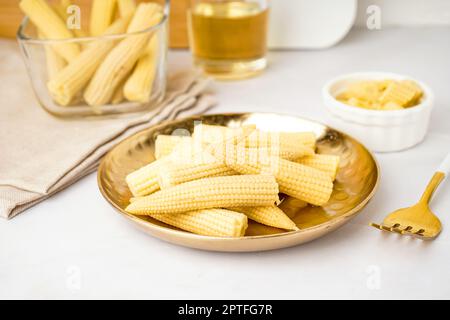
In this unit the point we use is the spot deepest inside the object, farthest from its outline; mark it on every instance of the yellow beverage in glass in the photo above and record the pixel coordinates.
(228, 38)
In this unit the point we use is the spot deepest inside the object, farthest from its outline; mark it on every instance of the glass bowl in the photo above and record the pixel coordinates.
(78, 95)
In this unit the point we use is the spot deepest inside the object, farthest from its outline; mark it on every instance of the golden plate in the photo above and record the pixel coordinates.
(355, 184)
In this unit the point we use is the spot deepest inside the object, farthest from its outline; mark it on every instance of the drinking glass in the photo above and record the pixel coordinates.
(228, 39)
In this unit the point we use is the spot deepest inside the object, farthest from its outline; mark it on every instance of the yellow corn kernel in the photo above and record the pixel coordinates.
(269, 216)
(208, 222)
(120, 61)
(398, 93)
(102, 13)
(139, 85)
(165, 144)
(324, 162)
(294, 179)
(172, 174)
(75, 76)
(126, 7)
(51, 25)
(206, 193)
(145, 180)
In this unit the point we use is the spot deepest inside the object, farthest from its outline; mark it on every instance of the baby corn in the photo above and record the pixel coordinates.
(102, 13)
(69, 81)
(173, 174)
(294, 179)
(400, 94)
(307, 139)
(126, 7)
(119, 62)
(51, 25)
(216, 192)
(145, 180)
(165, 144)
(139, 85)
(284, 144)
(324, 162)
(54, 62)
(269, 216)
(208, 222)
(287, 145)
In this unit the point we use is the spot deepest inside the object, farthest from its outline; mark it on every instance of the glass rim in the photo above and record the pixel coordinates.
(21, 36)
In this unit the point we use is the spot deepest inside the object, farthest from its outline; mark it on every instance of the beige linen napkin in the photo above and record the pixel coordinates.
(41, 155)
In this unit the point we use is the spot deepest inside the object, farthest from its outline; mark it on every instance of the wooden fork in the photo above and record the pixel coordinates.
(418, 220)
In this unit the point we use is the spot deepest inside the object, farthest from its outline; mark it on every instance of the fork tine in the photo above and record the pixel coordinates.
(375, 225)
(386, 228)
(397, 230)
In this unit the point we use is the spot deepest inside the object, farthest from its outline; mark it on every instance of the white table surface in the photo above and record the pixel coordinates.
(74, 245)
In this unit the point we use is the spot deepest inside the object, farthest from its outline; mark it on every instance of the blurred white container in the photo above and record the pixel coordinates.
(307, 24)
(379, 130)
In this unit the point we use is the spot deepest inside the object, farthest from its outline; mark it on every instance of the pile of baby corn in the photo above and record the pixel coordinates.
(104, 70)
(211, 182)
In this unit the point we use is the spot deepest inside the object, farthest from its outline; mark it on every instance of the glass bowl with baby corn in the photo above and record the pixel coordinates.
(239, 182)
(386, 111)
(98, 58)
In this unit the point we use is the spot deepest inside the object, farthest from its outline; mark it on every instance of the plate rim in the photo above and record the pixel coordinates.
(348, 215)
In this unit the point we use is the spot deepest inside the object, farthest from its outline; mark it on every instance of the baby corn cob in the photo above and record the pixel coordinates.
(139, 85)
(118, 95)
(54, 62)
(286, 144)
(269, 216)
(173, 174)
(400, 94)
(69, 81)
(324, 162)
(119, 62)
(208, 222)
(165, 144)
(51, 25)
(126, 7)
(418, 93)
(294, 179)
(145, 180)
(102, 13)
(206, 193)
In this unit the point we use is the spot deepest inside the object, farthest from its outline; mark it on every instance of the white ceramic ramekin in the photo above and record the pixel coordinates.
(380, 131)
